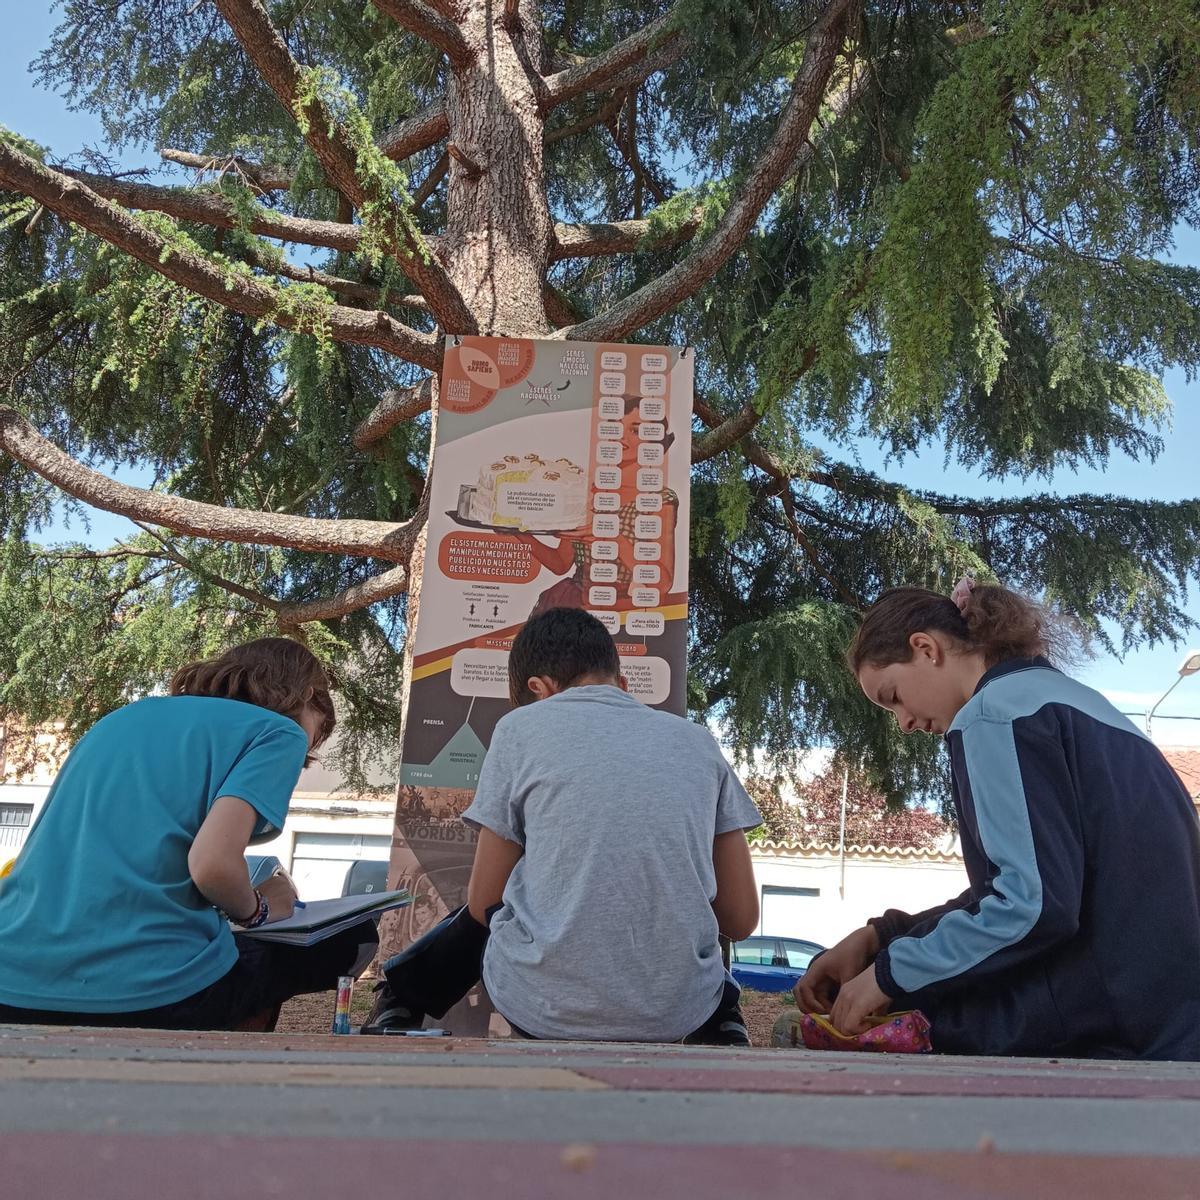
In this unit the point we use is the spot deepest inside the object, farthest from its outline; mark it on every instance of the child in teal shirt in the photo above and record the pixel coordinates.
(117, 910)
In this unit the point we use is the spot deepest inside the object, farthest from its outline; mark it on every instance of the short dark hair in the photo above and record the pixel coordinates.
(564, 644)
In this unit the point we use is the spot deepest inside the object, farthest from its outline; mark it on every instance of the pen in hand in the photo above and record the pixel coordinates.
(297, 903)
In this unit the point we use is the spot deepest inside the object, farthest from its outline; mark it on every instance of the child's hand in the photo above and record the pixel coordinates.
(817, 988)
(858, 1001)
(281, 896)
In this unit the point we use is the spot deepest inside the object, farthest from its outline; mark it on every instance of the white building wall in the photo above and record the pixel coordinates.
(800, 888)
(804, 894)
(20, 796)
(321, 839)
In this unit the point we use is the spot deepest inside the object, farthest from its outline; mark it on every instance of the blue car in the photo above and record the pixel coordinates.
(771, 964)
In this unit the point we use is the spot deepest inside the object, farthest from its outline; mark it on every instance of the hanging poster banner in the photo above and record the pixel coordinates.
(560, 479)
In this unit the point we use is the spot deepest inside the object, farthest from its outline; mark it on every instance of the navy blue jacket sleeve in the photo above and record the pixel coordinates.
(896, 923)
(1023, 798)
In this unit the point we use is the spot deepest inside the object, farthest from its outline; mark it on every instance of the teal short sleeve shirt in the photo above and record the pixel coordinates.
(100, 913)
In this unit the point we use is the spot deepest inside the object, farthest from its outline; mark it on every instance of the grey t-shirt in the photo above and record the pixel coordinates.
(607, 929)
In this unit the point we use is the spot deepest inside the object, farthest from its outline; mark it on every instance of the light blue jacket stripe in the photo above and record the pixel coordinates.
(1024, 692)
(962, 940)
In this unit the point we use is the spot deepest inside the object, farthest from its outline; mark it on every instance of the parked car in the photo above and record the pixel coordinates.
(772, 964)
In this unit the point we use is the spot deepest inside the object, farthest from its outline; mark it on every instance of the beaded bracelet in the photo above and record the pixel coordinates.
(261, 913)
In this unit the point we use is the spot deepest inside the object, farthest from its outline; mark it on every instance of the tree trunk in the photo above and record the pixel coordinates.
(499, 235)
(498, 227)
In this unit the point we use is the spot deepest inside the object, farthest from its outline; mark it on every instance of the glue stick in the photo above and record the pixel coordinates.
(341, 1012)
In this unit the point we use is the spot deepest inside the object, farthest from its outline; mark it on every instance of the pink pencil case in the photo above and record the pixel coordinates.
(897, 1033)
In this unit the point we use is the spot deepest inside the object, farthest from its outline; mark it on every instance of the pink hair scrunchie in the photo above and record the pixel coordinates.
(962, 593)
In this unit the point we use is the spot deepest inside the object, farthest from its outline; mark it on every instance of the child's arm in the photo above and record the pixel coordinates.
(736, 901)
(495, 858)
(560, 557)
(1020, 788)
(217, 863)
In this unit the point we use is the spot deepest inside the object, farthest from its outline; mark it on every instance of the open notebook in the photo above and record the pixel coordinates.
(321, 919)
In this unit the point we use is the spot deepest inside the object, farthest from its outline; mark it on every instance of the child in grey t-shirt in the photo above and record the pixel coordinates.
(611, 854)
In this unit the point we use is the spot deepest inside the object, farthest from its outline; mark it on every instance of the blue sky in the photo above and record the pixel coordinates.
(1134, 683)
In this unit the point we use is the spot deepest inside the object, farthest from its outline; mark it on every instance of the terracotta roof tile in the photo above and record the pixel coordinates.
(1186, 762)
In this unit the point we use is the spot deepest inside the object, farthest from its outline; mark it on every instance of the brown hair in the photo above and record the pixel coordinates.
(274, 673)
(996, 622)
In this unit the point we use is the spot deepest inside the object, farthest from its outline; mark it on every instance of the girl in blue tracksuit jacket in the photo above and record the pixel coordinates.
(1080, 932)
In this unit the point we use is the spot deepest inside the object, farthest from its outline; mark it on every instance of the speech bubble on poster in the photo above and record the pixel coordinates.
(475, 672)
(610, 620)
(645, 624)
(648, 678)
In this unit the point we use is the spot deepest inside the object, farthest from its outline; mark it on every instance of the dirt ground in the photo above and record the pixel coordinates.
(314, 1014)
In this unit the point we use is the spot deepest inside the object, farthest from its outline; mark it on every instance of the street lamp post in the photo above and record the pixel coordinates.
(1189, 666)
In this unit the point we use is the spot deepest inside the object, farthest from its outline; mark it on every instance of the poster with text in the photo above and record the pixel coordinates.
(560, 479)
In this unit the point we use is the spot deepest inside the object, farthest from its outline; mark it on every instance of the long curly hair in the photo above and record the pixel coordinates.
(997, 622)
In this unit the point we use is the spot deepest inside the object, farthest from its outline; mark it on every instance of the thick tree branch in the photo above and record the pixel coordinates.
(429, 184)
(270, 56)
(395, 407)
(429, 25)
(598, 72)
(71, 199)
(788, 150)
(211, 208)
(632, 77)
(260, 176)
(618, 237)
(406, 137)
(368, 539)
(358, 595)
(731, 430)
(560, 311)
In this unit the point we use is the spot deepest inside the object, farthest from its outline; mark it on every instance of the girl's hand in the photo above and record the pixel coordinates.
(818, 987)
(858, 1001)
